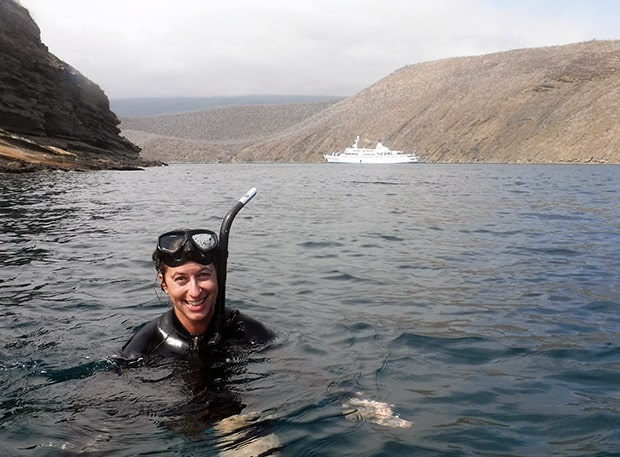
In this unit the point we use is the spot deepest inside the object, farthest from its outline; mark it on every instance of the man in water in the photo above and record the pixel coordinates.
(186, 263)
(198, 329)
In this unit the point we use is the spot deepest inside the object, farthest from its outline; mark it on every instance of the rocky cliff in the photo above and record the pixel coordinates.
(51, 116)
(557, 104)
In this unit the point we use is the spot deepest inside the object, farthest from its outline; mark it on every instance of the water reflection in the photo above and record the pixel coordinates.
(29, 209)
(112, 405)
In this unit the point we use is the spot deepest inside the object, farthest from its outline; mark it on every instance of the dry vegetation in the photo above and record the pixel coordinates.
(556, 104)
(213, 134)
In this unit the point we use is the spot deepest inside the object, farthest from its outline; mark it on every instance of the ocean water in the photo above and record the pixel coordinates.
(478, 304)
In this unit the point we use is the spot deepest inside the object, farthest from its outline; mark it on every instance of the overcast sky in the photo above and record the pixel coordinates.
(160, 48)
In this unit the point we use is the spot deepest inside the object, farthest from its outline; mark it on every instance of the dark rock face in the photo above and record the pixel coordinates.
(48, 103)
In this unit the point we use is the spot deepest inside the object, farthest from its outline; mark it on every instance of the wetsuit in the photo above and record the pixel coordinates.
(165, 336)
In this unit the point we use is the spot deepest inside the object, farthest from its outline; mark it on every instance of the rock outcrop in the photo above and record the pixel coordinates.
(51, 116)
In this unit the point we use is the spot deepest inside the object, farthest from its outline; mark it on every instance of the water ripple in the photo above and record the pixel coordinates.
(479, 301)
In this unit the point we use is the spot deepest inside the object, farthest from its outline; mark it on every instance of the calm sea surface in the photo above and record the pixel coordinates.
(481, 301)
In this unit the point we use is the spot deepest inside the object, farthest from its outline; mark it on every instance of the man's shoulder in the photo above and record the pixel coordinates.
(144, 339)
(247, 329)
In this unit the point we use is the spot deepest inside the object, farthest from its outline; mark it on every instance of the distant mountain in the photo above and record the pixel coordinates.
(214, 134)
(131, 107)
(557, 104)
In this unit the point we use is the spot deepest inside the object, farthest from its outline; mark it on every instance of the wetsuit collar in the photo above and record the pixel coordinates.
(192, 338)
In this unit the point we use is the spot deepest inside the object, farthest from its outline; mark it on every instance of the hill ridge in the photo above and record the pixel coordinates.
(555, 104)
(159, 106)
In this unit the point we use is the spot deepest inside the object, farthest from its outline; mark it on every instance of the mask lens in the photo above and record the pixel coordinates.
(171, 242)
(204, 241)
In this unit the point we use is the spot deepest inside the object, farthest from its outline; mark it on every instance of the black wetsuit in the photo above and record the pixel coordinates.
(165, 336)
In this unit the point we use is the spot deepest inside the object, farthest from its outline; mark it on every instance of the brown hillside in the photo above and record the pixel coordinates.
(214, 134)
(556, 104)
(553, 104)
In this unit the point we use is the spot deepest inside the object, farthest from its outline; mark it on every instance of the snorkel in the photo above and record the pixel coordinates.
(222, 265)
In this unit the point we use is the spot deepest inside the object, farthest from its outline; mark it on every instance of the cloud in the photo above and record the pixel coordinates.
(324, 47)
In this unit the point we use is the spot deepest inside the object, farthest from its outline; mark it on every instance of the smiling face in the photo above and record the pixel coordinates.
(192, 288)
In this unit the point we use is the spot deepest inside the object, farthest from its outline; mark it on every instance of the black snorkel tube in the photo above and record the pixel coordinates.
(220, 313)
